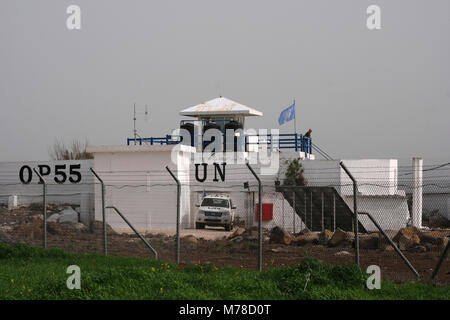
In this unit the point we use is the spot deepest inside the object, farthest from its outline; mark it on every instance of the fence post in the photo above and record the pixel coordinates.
(282, 209)
(135, 231)
(177, 247)
(411, 267)
(259, 217)
(323, 214)
(334, 212)
(305, 224)
(105, 244)
(295, 210)
(441, 259)
(44, 205)
(355, 211)
(311, 213)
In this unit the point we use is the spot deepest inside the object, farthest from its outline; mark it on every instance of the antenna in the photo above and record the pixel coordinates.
(135, 114)
(219, 88)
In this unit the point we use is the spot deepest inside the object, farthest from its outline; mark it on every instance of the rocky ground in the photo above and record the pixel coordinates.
(238, 248)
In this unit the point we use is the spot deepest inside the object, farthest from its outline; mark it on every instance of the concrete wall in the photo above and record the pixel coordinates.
(374, 176)
(436, 201)
(391, 213)
(142, 189)
(74, 194)
(138, 184)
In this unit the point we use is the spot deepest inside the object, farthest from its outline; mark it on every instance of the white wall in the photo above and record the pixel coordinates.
(390, 212)
(138, 184)
(436, 201)
(374, 176)
(65, 193)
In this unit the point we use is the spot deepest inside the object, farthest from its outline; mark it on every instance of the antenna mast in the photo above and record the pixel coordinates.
(135, 134)
(134, 124)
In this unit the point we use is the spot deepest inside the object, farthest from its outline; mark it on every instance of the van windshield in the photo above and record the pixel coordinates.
(215, 202)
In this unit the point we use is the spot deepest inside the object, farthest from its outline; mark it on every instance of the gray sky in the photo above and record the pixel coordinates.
(365, 94)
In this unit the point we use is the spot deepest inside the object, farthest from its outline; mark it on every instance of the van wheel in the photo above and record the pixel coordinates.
(199, 226)
(228, 227)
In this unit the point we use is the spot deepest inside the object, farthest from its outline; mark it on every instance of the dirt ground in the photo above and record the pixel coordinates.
(210, 245)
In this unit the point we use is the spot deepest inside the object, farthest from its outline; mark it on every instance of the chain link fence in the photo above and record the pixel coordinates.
(313, 220)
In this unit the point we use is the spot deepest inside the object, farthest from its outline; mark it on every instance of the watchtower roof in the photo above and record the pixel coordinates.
(220, 107)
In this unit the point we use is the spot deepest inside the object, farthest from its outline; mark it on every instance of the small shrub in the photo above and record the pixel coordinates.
(294, 174)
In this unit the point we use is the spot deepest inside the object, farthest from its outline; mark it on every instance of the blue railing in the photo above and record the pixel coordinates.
(295, 141)
(168, 140)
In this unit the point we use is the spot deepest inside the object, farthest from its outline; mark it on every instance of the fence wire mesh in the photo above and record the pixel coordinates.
(313, 220)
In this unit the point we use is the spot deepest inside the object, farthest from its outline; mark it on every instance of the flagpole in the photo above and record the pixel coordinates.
(295, 119)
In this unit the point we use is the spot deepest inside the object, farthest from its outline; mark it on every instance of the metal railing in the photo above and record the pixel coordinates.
(280, 141)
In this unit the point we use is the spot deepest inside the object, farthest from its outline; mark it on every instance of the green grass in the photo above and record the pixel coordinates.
(35, 273)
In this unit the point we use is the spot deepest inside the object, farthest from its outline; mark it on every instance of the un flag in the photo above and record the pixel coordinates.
(287, 114)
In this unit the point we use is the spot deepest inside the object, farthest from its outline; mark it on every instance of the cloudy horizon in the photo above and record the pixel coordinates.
(365, 94)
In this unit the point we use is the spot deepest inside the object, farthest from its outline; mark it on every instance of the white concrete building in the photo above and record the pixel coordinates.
(139, 185)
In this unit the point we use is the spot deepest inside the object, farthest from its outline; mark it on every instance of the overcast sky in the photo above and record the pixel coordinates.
(365, 94)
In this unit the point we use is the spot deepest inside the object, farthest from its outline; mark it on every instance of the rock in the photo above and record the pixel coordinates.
(429, 246)
(237, 239)
(304, 231)
(340, 237)
(407, 237)
(280, 236)
(79, 227)
(324, 237)
(55, 228)
(98, 228)
(428, 237)
(441, 243)
(53, 218)
(417, 249)
(190, 239)
(342, 253)
(383, 243)
(37, 216)
(5, 228)
(251, 233)
(436, 220)
(68, 215)
(309, 238)
(237, 232)
(279, 249)
(368, 241)
(5, 238)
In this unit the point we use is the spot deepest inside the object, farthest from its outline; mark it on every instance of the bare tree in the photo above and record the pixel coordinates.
(75, 151)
